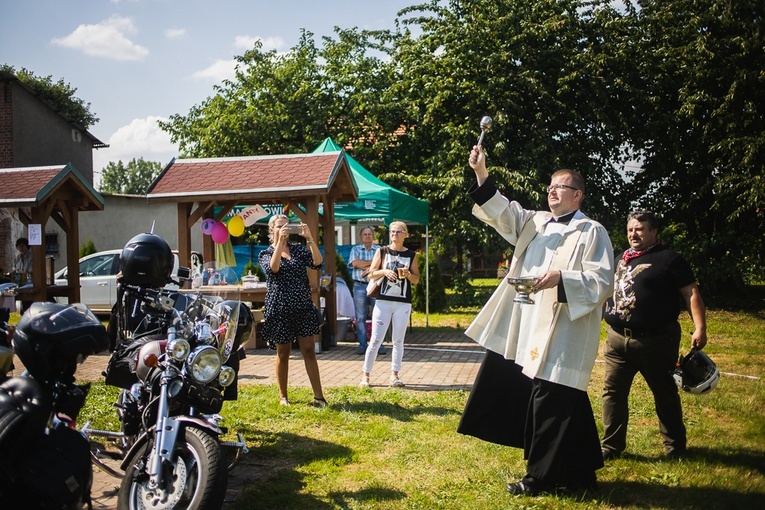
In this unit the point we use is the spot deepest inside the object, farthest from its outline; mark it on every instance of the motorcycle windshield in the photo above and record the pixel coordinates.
(220, 288)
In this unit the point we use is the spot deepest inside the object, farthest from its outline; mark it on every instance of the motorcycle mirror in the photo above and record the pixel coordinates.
(184, 273)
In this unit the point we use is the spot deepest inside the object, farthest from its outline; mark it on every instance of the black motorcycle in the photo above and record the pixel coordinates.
(44, 460)
(176, 360)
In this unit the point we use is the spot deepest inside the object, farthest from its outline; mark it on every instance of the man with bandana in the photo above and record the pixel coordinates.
(652, 283)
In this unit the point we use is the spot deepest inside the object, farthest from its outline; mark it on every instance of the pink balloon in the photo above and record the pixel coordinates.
(220, 233)
(207, 226)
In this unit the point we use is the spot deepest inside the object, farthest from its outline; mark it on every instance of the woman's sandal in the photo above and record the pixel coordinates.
(318, 402)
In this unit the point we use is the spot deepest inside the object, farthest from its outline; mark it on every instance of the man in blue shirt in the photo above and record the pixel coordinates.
(359, 262)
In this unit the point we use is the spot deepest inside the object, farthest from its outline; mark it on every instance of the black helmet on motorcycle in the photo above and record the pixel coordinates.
(244, 323)
(146, 261)
(696, 373)
(50, 337)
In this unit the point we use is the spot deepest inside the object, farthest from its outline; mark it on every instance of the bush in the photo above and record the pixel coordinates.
(464, 294)
(341, 270)
(254, 269)
(88, 248)
(470, 294)
(437, 291)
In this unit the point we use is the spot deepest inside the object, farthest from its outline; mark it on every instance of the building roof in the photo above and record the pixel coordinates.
(258, 179)
(32, 186)
(10, 77)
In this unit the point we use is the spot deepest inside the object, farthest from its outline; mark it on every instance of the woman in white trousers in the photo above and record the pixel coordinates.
(396, 268)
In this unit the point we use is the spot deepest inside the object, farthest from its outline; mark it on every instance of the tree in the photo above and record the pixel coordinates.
(59, 95)
(288, 103)
(88, 248)
(132, 179)
(527, 65)
(570, 83)
(274, 105)
(701, 132)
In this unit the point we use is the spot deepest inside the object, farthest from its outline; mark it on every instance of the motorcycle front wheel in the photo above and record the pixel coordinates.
(196, 479)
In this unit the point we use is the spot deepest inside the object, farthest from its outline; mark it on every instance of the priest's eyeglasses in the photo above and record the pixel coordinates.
(558, 187)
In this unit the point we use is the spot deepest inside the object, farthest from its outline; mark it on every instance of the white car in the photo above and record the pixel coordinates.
(98, 279)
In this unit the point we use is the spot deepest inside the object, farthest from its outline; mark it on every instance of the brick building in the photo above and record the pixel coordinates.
(33, 134)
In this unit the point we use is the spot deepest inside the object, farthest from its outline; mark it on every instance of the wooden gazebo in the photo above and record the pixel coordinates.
(300, 181)
(52, 192)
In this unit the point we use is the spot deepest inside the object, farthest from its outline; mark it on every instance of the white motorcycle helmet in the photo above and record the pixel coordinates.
(696, 373)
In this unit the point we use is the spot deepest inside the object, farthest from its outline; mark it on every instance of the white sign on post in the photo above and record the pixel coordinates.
(34, 231)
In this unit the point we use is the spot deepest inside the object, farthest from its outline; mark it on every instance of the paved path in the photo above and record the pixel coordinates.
(432, 361)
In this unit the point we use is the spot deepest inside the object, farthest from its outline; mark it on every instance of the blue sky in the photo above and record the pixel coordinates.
(136, 61)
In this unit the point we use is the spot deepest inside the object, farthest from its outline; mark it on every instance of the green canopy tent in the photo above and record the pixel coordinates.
(380, 203)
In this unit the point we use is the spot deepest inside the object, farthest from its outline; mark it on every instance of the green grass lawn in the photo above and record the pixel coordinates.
(398, 449)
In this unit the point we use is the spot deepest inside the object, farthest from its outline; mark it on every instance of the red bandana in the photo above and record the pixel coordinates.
(632, 254)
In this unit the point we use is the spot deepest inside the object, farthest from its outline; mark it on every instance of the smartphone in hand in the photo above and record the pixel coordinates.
(294, 228)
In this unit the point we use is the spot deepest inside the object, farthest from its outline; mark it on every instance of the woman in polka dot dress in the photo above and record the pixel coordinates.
(290, 314)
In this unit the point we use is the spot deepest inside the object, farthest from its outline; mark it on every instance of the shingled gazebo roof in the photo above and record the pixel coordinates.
(211, 187)
(33, 186)
(56, 192)
(256, 179)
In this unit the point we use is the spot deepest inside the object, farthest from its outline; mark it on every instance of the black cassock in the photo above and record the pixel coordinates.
(496, 408)
(554, 424)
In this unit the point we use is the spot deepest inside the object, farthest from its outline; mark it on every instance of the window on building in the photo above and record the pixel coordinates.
(51, 244)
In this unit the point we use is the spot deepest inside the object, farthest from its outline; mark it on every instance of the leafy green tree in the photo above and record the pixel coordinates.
(132, 179)
(524, 64)
(59, 94)
(275, 104)
(699, 126)
(288, 103)
(674, 84)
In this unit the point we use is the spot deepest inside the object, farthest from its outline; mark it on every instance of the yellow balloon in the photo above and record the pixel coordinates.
(236, 226)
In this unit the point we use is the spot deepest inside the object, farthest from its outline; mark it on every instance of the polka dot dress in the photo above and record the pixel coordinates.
(289, 311)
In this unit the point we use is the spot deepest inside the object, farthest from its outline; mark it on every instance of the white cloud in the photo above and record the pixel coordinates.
(108, 39)
(246, 42)
(175, 33)
(218, 71)
(225, 69)
(142, 138)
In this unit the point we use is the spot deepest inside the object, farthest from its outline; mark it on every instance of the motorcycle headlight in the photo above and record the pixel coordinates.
(203, 332)
(226, 377)
(204, 364)
(179, 349)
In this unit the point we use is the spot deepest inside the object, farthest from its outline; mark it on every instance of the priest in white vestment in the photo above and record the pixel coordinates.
(531, 391)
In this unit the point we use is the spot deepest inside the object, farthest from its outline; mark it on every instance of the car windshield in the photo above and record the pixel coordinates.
(97, 266)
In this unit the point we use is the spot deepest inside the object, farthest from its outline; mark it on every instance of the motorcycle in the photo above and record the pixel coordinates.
(8, 293)
(44, 460)
(176, 360)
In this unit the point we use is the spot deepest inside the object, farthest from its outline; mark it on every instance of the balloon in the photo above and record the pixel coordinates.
(220, 233)
(236, 226)
(207, 226)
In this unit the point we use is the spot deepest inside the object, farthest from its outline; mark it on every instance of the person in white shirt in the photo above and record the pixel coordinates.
(531, 390)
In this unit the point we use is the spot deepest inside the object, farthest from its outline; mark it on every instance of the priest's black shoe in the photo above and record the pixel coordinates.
(522, 488)
(609, 454)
